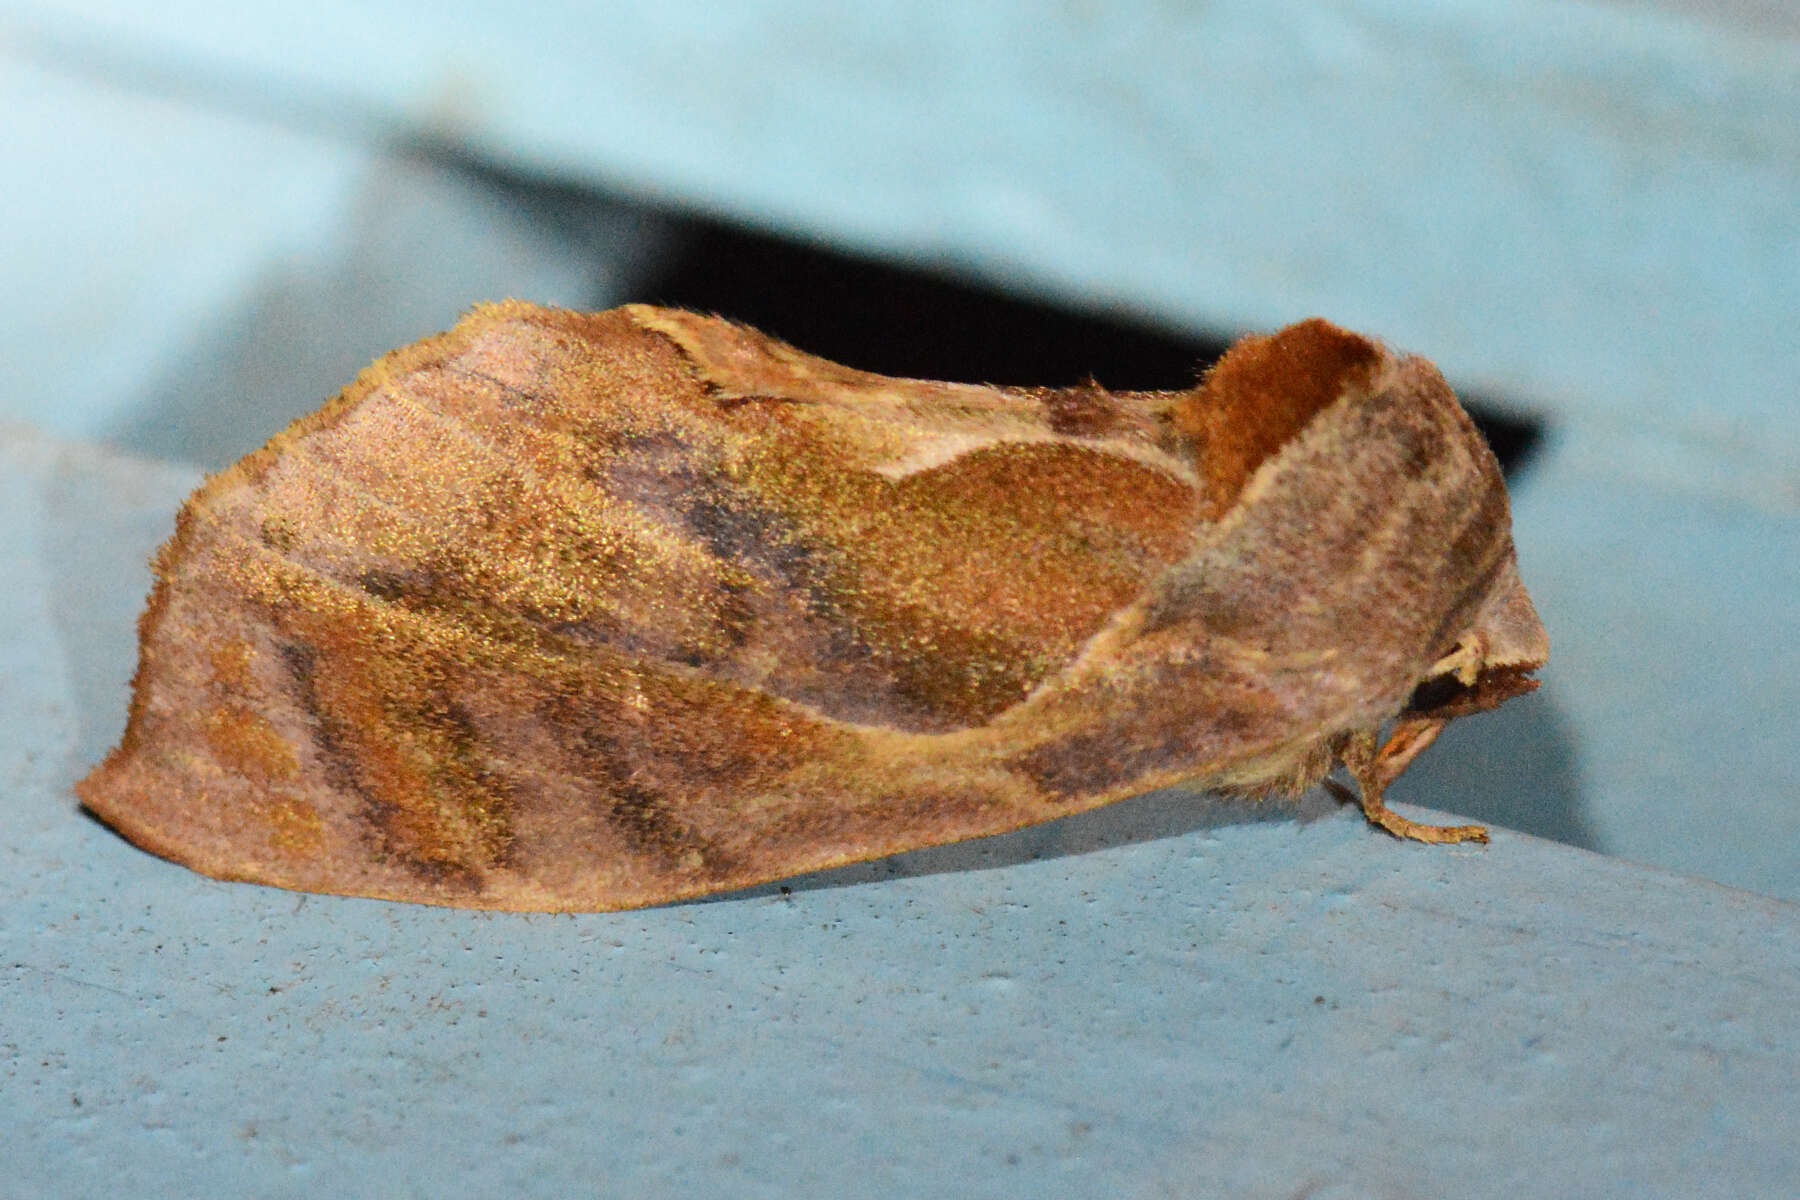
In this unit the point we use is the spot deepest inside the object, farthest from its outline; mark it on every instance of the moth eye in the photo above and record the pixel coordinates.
(1454, 689)
(1436, 692)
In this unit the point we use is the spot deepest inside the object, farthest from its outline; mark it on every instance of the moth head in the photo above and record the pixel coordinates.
(1345, 481)
(1492, 661)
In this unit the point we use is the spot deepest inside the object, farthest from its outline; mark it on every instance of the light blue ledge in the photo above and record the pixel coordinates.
(1169, 997)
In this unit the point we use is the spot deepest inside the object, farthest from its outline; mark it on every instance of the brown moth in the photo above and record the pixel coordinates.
(563, 611)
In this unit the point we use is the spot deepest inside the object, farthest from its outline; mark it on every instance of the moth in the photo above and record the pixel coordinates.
(561, 611)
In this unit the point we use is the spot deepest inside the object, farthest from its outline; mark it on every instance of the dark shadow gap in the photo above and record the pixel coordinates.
(920, 324)
(910, 321)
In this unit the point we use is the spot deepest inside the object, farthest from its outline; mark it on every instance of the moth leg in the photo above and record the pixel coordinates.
(1374, 769)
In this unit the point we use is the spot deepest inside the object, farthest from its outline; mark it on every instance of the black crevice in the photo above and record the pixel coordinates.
(927, 324)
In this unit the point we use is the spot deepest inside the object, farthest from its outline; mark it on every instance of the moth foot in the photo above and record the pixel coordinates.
(1380, 815)
(1438, 835)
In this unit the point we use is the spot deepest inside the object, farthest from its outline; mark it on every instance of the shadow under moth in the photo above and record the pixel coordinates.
(562, 611)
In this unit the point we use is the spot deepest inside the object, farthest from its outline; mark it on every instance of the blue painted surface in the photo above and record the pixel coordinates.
(1167, 997)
